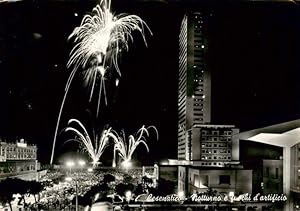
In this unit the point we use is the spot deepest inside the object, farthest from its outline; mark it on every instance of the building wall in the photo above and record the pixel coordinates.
(17, 167)
(17, 151)
(182, 87)
(272, 176)
(194, 84)
(223, 181)
(244, 180)
(295, 170)
(182, 179)
(214, 145)
(17, 158)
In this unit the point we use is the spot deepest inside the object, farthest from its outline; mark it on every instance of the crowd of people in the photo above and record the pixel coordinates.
(59, 194)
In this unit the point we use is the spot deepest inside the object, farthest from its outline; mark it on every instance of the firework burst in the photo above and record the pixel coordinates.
(125, 149)
(94, 145)
(99, 39)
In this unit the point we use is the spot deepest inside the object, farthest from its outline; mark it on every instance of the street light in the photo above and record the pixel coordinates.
(70, 164)
(181, 195)
(69, 179)
(81, 163)
(126, 164)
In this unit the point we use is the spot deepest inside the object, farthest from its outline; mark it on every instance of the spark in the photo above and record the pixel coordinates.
(126, 148)
(99, 39)
(94, 145)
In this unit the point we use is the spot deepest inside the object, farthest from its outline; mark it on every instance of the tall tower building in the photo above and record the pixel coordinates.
(194, 85)
(199, 141)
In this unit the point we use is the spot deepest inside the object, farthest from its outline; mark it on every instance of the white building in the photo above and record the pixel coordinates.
(287, 136)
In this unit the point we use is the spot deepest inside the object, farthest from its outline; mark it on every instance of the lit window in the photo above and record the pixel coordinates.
(202, 46)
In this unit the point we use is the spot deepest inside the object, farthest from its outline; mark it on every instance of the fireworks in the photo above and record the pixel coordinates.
(99, 39)
(126, 149)
(95, 145)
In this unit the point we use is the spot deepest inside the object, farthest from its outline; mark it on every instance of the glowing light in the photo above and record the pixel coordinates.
(99, 40)
(128, 195)
(117, 82)
(68, 179)
(127, 164)
(81, 163)
(181, 194)
(202, 46)
(90, 170)
(70, 163)
(96, 146)
(76, 14)
(126, 148)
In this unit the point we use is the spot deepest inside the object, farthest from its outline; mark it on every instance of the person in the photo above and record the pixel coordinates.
(117, 208)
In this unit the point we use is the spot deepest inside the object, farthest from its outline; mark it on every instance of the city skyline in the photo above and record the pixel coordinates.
(260, 43)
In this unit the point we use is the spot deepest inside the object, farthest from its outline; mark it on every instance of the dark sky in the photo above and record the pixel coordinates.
(254, 54)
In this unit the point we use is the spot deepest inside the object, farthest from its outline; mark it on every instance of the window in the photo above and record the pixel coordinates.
(267, 172)
(203, 180)
(224, 179)
(276, 173)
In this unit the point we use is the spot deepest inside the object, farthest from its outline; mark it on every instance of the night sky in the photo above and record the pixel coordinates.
(253, 49)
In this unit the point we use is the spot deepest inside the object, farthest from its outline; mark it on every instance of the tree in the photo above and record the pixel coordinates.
(7, 196)
(108, 178)
(22, 188)
(127, 179)
(139, 189)
(122, 188)
(166, 186)
(35, 188)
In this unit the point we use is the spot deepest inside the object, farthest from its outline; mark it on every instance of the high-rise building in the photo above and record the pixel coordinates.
(198, 140)
(194, 86)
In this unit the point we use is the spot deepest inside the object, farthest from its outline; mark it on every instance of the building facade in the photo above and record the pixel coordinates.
(214, 145)
(208, 154)
(17, 158)
(286, 136)
(272, 176)
(222, 181)
(194, 85)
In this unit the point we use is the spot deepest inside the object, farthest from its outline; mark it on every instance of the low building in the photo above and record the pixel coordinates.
(223, 181)
(285, 136)
(212, 145)
(17, 159)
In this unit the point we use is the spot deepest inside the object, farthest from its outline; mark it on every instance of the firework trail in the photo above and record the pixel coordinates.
(94, 145)
(99, 39)
(126, 148)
